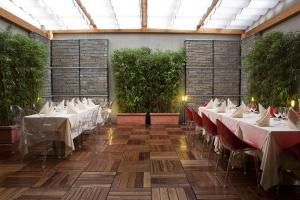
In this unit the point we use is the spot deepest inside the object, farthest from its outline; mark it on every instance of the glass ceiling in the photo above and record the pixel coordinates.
(126, 14)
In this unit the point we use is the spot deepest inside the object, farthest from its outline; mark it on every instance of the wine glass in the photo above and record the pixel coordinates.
(277, 113)
(284, 112)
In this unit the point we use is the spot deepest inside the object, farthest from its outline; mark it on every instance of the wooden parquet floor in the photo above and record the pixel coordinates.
(130, 162)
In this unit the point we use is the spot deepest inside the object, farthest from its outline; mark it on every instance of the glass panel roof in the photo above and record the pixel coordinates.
(126, 14)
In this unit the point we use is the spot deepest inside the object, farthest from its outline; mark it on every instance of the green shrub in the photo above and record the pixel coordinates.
(22, 65)
(273, 66)
(146, 80)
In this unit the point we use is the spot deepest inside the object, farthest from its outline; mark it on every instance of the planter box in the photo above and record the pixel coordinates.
(8, 135)
(164, 118)
(131, 118)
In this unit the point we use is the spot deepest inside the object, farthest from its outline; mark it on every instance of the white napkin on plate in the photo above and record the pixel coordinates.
(209, 105)
(293, 119)
(239, 112)
(72, 109)
(45, 109)
(216, 103)
(261, 109)
(84, 101)
(264, 119)
(82, 106)
(230, 104)
(222, 108)
(245, 109)
(61, 105)
(90, 102)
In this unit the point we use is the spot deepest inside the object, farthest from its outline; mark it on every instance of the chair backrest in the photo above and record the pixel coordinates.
(197, 118)
(188, 113)
(228, 139)
(17, 114)
(209, 126)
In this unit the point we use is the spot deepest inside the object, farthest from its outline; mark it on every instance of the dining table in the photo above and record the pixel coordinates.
(270, 140)
(62, 122)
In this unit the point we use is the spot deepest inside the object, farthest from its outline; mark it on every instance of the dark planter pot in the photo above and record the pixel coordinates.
(164, 118)
(131, 118)
(8, 134)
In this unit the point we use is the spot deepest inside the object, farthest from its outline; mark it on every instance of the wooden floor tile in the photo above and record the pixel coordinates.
(130, 193)
(134, 166)
(87, 193)
(68, 165)
(173, 193)
(158, 166)
(43, 193)
(82, 155)
(91, 179)
(102, 165)
(140, 148)
(201, 165)
(11, 193)
(115, 148)
(136, 142)
(163, 156)
(132, 180)
(159, 142)
(21, 179)
(186, 155)
(169, 180)
(160, 148)
(135, 156)
(59, 179)
(159, 137)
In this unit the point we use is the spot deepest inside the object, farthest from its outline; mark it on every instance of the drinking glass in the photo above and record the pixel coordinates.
(277, 113)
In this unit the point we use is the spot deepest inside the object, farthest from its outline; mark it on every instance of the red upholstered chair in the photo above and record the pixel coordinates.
(235, 145)
(210, 130)
(198, 129)
(188, 116)
(298, 113)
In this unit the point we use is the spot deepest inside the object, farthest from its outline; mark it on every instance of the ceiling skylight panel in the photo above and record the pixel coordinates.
(102, 12)
(233, 3)
(127, 13)
(160, 12)
(185, 23)
(263, 3)
(216, 23)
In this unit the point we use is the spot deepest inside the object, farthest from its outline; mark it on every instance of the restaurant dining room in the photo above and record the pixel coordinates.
(149, 99)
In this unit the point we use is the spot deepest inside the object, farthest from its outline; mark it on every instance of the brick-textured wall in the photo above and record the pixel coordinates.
(246, 46)
(47, 75)
(79, 68)
(212, 70)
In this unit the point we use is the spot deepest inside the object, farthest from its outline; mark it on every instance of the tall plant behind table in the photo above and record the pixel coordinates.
(273, 68)
(23, 62)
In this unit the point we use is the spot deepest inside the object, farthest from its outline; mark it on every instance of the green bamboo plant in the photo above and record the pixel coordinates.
(273, 66)
(146, 80)
(22, 65)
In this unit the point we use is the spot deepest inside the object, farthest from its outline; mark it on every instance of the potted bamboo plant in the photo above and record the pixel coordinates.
(23, 62)
(147, 82)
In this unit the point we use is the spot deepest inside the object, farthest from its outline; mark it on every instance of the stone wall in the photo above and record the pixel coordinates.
(79, 69)
(212, 70)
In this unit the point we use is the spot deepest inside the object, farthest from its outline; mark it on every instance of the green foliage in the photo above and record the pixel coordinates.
(273, 66)
(147, 81)
(22, 65)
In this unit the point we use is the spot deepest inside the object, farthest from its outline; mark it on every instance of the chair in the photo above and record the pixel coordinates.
(234, 144)
(188, 116)
(211, 131)
(17, 116)
(198, 121)
(41, 140)
(89, 125)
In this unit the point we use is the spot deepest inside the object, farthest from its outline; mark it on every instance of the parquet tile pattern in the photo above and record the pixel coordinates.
(129, 162)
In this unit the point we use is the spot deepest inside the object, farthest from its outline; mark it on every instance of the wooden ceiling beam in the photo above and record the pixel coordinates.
(144, 13)
(210, 8)
(86, 13)
(171, 31)
(20, 22)
(282, 16)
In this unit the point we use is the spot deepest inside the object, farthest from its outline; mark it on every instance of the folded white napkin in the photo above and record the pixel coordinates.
(293, 119)
(82, 106)
(245, 109)
(209, 105)
(45, 109)
(52, 109)
(72, 109)
(90, 102)
(61, 105)
(239, 112)
(216, 103)
(84, 101)
(222, 108)
(230, 104)
(264, 119)
(261, 109)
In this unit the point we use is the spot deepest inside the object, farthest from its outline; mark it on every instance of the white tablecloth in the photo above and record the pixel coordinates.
(270, 140)
(63, 123)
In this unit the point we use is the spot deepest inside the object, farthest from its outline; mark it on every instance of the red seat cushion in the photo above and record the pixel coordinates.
(197, 118)
(209, 126)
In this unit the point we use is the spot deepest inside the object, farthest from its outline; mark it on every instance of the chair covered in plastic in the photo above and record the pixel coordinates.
(235, 145)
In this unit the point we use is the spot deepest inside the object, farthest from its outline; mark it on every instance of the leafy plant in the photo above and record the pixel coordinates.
(22, 65)
(273, 66)
(146, 80)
